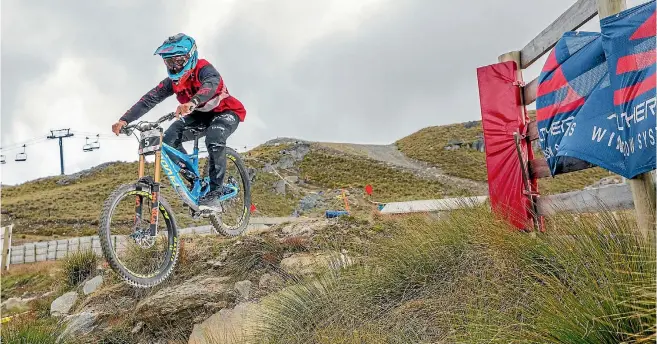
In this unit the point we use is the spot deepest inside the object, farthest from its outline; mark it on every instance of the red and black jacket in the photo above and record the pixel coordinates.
(204, 86)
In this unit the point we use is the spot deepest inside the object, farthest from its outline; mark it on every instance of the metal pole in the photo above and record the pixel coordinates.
(61, 134)
(61, 156)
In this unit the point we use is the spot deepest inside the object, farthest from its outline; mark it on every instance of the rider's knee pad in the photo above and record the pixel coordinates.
(215, 146)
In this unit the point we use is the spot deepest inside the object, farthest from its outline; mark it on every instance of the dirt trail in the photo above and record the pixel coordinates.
(392, 156)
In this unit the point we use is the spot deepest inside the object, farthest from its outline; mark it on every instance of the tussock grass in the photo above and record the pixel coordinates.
(23, 330)
(78, 266)
(469, 278)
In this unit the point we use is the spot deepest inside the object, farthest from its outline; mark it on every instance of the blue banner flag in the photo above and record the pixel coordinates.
(596, 96)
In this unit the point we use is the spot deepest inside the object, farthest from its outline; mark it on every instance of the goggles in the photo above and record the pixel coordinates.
(176, 63)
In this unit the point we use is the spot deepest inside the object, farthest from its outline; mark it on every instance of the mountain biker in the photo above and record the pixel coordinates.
(204, 102)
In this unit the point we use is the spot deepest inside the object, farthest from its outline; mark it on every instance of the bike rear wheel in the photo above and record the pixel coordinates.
(118, 249)
(236, 214)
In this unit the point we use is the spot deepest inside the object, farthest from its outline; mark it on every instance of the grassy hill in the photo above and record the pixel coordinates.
(316, 173)
(429, 144)
(463, 277)
(49, 207)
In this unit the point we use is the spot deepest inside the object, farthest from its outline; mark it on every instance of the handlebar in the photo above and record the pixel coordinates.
(146, 125)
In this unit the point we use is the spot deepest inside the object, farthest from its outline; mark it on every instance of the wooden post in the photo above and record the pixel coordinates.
(610, 7)
(643, 193)
(6, 246)
(515, 56)
(643, 186)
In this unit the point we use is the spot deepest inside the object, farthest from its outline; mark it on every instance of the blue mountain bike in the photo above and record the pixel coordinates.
(133, 243)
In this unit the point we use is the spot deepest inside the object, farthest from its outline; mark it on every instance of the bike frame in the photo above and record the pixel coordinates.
(164, 162)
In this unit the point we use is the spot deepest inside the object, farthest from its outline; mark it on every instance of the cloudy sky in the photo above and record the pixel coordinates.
(364, 71)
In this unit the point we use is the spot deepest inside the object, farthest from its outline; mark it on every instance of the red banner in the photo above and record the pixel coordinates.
(502, 115)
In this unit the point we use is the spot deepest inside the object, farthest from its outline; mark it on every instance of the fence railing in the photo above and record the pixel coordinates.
(642, 188)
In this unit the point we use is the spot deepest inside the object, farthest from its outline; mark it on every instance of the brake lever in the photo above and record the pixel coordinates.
(128, 130)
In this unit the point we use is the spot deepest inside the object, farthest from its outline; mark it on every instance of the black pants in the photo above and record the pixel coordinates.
(218, 127)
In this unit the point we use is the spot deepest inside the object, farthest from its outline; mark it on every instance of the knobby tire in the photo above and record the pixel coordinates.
(104, 233)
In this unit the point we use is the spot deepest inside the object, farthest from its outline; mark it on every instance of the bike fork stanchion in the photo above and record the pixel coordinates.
(156, 191)
(154, 206)
(139, 200)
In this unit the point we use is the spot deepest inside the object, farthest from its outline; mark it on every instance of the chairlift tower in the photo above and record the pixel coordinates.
(60, 134)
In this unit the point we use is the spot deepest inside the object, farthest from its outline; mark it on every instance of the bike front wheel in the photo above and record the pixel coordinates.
(140, 259)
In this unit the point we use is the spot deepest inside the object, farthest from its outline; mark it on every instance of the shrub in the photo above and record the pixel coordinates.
(469, 278)
(28, 330)
(78, 266)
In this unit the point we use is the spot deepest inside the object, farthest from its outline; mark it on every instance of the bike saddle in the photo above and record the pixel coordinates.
(192, 131)
(194, 128)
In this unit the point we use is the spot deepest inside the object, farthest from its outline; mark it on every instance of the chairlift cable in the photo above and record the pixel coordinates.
(13, 147)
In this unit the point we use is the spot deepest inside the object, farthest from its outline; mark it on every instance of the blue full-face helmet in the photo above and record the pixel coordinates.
(179, 54)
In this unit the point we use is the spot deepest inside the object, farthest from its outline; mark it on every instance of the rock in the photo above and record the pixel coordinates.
(279, 187)
(286, 162)
(304, 228)
(300, 228)
(78, 325)
(15, 304)
(235, 325)
(269, 281)
(220, 261)
(298, 151)
(215, 263)
(92, 285)
(168, 303)
(252, 174)
(280, 140)
(137, 327)
(244, 288)
(302, 264)
(268, 168)
(292, 179)
(63, 304)
(309, 202)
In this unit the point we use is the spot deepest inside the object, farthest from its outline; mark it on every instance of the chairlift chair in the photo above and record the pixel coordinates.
(87, 146)
(3, 159)
(96, 144)
(21, 156)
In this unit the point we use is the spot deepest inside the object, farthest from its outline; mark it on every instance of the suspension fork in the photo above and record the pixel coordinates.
(139, 200)
(155, 192)
(155, 204)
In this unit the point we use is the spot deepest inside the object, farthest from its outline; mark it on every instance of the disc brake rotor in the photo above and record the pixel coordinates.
(143, 238)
